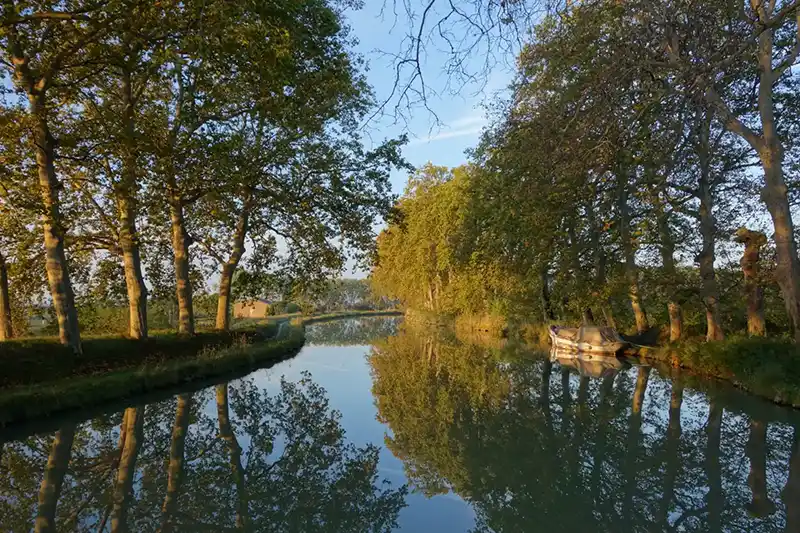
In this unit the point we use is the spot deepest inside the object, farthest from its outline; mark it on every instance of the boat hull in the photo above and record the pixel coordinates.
(610, 348)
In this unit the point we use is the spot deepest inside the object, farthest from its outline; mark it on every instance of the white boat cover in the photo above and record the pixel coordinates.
(594, 335)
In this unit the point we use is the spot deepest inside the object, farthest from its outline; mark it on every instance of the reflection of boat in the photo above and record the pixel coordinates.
(587, 364)
(589, 339)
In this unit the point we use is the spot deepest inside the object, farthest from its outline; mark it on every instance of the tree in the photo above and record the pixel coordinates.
(43, 48)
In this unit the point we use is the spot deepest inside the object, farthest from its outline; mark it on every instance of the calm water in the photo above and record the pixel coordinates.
(377, 426)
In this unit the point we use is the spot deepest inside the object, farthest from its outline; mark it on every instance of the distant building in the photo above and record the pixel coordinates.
(251, 308)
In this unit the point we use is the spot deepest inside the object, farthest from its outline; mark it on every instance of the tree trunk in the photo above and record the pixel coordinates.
(588, 317)
(709, 290)
(670, 276)
(176, 461)
(760, 506)
(6, 331)
(180, 250)
(715, 499)
(753, 241)
(50, 489)
(55, 256)
(775, 191)
(227, 434)
(787, 270)
(123, 487)
(631, 270)
(547, 306)
(128, 236)
(229, 268)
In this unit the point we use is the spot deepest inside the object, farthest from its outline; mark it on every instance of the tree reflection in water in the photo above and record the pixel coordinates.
(538, 448)
(255, 462)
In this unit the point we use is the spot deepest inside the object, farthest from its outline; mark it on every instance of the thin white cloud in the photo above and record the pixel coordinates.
(448, 135)
(461, 127)
(469, 120)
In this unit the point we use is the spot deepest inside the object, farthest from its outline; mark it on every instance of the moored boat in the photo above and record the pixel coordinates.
(590, 339)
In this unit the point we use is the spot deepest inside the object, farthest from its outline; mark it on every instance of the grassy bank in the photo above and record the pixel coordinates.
(766, 366)
(49, 379)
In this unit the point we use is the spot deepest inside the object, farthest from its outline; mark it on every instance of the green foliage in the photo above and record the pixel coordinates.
(769, 367)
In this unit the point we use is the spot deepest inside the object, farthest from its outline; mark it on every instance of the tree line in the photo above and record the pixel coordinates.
(144, 147)
(637, 449)
(641, 146)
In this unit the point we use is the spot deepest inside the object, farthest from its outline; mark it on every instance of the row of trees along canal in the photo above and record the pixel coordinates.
(148, 133)
(638, 138)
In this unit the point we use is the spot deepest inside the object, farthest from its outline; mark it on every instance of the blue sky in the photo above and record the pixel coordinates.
(462, 116)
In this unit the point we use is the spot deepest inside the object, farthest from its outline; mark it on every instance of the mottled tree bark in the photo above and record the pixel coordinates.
(44, 146)
(235, 450)
(127, 206)
(775, 192)
(753, 241)
(667, 248)
(229, 267)
(176, 461)
(715, 499)
(181, 261)
(629, 252)
(710, 291)
(770, 151)
(50, 489)
(6, 329)
(52, 225)
(126, 472)
(760, 505)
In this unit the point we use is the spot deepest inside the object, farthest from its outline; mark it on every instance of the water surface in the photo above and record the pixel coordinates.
(377, 426)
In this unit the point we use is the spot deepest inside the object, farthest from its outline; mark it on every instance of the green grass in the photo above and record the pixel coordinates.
(37, 360)
(45, 399)
(40, 377)
(766, 366)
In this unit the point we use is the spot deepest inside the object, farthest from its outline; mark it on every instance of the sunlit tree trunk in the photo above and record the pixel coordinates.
(775, 192)
(708, 229)
(753, 241)
(715, 499)
(760, 505)
(791, 492)
(52, 225)
(672, 450)
(670, 276)
(6, 330)
(181, 261)
(126, 472)
(176, 461)
(770, 150)
(56, 469)
(49, 186)
(229, 267)
(629, 252)
(125, 193)
(235, 450)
